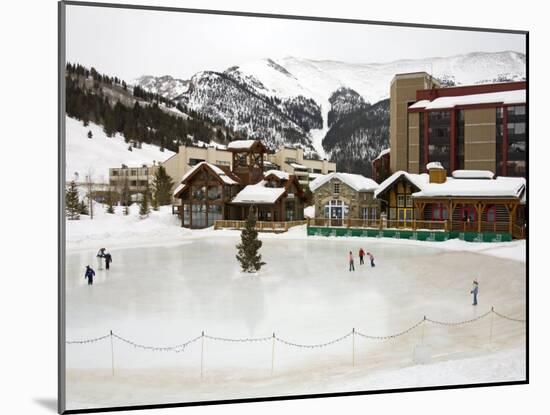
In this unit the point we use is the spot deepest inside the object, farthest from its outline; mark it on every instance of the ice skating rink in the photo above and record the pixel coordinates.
(164, 296)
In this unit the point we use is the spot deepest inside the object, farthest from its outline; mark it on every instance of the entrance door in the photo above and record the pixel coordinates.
(336, 215)
(405, 217)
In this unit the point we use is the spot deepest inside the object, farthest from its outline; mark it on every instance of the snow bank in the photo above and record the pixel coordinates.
(97, 154)
(258, 193)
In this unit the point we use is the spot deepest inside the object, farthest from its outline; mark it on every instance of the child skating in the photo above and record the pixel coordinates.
(361, 256)
(371, 257)
(351, 266)
(89, 275)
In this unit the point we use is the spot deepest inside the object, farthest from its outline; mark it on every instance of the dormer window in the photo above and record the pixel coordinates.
(336, 188)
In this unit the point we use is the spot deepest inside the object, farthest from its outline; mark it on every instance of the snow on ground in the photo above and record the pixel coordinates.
(101, 152)
(167, 284)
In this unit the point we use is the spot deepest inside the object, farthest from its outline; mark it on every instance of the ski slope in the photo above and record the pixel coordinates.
(85, 156)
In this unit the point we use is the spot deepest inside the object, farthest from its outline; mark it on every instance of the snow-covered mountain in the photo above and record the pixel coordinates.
(295, 101)
(165, 86)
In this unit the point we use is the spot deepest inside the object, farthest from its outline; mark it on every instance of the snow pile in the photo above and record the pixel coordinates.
(97, 154)
(434, 165)
(355, 181)
(309, 212)
(473, 174)
(505, 98)
(258, 193)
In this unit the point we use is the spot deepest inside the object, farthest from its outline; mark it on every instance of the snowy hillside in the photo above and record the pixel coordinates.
(165, 86)
(100, 152)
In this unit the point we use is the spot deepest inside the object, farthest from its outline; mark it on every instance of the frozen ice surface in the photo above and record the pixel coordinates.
(164, 296)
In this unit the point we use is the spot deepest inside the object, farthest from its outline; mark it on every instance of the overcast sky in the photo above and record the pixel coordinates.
(131, 43)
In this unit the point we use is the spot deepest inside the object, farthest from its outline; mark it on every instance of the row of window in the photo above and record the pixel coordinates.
(130, 172)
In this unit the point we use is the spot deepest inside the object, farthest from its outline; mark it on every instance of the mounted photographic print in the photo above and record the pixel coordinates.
(261, 207)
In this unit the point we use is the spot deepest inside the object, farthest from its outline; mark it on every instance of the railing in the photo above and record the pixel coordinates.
(265, 226)
(379, 224)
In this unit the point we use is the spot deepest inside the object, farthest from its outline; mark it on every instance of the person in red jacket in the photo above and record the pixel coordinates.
(351, 267)
(361, 256)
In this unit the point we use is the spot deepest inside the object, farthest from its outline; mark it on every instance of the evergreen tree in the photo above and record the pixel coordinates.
(155, 203)
(162, 186)
(90, 135)
(144, 208)
(72, 204)
(110, 204)
(247, 250)
(83, 208)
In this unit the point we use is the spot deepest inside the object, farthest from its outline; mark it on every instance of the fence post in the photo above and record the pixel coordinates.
(353, 347)
(202, 352)
(112, 355)
(272, 353)
(423, 324)
(491, 329)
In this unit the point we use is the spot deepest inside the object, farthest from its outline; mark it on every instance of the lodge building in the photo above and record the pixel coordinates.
(477, 127)
(210, 193)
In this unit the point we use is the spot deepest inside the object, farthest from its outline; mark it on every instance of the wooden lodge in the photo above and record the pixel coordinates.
(220, 197)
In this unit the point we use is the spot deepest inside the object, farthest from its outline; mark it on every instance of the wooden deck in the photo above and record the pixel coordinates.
(261, 226)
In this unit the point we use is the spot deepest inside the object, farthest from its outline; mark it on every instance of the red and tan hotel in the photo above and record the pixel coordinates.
(478, 127)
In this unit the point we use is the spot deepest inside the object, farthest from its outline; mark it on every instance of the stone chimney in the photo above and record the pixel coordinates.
(437, 172)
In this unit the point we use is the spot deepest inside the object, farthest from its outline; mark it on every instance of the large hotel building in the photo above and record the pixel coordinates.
(478, 127)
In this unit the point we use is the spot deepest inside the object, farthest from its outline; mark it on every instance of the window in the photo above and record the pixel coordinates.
(115, 172)
(469, 213)
(223, 163)
(409, 200)
(439, 137)
(194, 162)
(492, 214)
(214, 213)
(336, 188)
(401, 200)
(440, 212)
(133, 172)
(374, 212)
(365, 213)
(214, 192)
(290, 160)
(199, 192)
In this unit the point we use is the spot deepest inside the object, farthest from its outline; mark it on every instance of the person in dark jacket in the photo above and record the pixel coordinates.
(89, 274)
(108, 259)
(351, 266)
(371, 257)
(100, 255)
(361, 256)
(475, 290)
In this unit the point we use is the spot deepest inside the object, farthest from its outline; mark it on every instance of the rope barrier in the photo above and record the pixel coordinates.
(181, 347)
(313, 346)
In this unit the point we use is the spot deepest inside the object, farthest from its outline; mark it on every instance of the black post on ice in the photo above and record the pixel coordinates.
(112, 355)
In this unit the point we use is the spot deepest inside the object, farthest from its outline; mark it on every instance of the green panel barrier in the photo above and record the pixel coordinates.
(410, 234)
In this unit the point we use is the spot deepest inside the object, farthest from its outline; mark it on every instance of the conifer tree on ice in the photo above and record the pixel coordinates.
(247, 254)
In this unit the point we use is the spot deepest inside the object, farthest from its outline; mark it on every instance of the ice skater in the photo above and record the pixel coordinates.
(475, 291)
(89, 275)
(100, 255)
(351, 266)
(361, 256)
(108, 260)
(371, 257)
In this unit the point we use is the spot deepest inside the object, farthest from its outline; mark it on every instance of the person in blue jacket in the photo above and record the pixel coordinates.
(89, 274)
(475, 291)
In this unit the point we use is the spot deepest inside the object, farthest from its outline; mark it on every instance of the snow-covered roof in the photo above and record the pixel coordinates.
(240, 144)
(297, 166)
(473, 174)
(355, 181)
(258, 193)
(179, 189)
(282, 175)
(382, 153)
(434, 165)
(419, 180)
(503, 97)
(499, 187)
(219, 172)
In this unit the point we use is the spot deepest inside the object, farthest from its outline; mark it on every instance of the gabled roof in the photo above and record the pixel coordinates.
(225, 177)
(179, 189)
(418, 180)
(357, 182)
(281, 175)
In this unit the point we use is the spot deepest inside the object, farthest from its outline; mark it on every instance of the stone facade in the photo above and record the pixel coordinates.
(356, 201)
